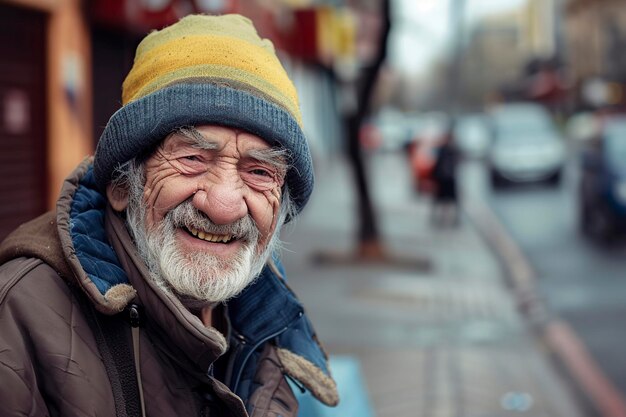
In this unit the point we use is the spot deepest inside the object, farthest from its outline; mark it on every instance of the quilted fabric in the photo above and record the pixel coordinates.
(96, 256)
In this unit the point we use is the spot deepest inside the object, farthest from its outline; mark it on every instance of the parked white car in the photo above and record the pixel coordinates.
(526, 145)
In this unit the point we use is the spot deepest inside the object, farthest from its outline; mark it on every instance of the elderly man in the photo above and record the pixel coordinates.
(154, 288)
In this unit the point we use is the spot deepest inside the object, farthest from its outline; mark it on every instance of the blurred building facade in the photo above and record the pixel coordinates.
(492, 57)
(595, 33)
(567, 54)
(45, 102)
(65, 60)
(497, 61)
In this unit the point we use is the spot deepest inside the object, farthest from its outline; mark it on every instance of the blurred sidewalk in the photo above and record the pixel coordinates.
(431, 342)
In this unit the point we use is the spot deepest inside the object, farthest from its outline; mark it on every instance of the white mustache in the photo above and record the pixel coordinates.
(186, 215)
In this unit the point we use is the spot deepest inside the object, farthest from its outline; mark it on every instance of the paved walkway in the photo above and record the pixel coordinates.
(443, 341)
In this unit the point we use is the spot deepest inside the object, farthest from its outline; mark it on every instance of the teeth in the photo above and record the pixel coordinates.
(209, 237)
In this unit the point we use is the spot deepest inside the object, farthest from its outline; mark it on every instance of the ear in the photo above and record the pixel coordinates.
(118, 197)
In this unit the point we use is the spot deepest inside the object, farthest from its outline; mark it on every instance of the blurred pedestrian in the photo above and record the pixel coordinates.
(445, 209)
(155, 287)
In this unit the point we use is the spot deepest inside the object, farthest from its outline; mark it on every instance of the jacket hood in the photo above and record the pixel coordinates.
(72, 240)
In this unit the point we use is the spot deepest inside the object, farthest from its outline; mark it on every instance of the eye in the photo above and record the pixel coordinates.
(259, 175)
(260, 171)
(191, 164)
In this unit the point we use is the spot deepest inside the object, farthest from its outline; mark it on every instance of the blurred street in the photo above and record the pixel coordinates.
(444, 340)
(580, 280)
(517, 311)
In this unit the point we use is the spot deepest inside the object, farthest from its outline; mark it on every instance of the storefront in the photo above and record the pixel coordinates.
(23, 133)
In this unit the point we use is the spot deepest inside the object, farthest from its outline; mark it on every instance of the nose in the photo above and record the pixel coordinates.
(222, 202)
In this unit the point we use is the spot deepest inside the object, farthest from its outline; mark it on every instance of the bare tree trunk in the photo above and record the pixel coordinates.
(369, 242)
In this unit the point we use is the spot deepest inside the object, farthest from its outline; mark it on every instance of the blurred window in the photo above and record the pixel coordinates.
(521, 122)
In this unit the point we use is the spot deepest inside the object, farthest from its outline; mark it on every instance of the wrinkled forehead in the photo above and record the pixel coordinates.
(215, 137)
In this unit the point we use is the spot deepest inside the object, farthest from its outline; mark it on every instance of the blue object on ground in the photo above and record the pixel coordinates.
(353, 397)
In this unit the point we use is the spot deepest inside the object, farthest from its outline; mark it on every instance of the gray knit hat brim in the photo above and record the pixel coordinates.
(141, 125)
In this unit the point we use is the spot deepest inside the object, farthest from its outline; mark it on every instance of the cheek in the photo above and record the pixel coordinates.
(163, 191)
(265, 213)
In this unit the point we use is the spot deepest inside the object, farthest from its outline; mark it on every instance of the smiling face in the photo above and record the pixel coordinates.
(227, 174)
(207, 211)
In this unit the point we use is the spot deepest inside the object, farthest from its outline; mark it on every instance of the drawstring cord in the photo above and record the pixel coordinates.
(135, 331)
(134, 322)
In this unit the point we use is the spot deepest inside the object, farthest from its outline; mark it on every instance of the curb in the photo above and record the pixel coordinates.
(565, 346)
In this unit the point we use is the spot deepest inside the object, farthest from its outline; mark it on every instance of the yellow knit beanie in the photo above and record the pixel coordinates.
(225, 48)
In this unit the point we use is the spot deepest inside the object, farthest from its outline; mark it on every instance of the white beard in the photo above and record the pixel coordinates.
(200, 276)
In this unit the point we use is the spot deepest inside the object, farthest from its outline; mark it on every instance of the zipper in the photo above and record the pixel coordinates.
(136, 319)
(296, 383)
(233, 356)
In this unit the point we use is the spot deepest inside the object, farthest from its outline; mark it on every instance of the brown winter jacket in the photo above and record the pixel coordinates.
(52, 365)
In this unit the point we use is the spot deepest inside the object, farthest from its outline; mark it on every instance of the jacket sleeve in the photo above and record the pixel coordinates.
(19, 393)
(273, 396)
(17, 396)
(49, 360)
